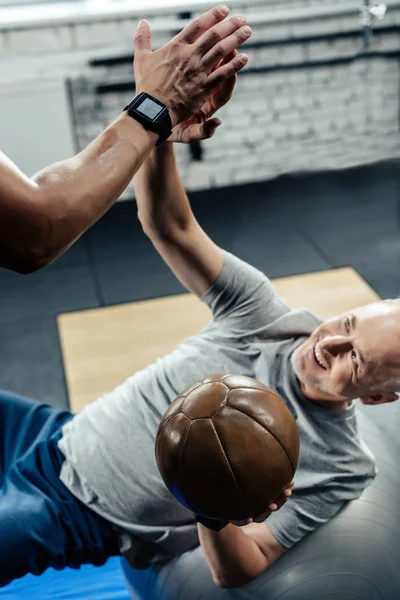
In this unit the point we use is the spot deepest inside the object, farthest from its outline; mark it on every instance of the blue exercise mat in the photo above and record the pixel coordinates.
(86, 583)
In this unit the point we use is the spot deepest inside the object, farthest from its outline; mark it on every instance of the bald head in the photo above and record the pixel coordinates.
(353, 354)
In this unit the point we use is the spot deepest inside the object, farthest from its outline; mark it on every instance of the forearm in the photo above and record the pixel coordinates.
(71, 195)
(161, 198)
(233, 557)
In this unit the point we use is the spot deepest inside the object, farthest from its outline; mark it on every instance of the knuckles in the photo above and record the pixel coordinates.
(197, 25)
(219, 50)
(213, 37)
(140, 35)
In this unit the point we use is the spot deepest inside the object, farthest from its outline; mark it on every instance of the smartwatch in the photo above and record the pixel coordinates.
(152, 114)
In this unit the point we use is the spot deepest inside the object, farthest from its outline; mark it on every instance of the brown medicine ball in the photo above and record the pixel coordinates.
(227, 447)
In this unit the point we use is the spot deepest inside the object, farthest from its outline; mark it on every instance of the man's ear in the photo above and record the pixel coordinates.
(379, 398)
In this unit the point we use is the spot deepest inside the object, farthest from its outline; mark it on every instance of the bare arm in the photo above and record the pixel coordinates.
(236, 555)
(41, 217)
(163, 206)
(168, 220)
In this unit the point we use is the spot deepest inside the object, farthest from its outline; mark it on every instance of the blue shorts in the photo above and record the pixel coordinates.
(41, 523)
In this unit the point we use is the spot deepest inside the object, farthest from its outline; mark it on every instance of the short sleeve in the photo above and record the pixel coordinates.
(243, 299)
(302, 514)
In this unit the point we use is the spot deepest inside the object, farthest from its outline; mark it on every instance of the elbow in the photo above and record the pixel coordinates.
(158, 230)
(27, 261)
(38, 258)
(27, 267)
(162, 228)
(31, 265)
(230, 583)
(44, 244)
(236, 578)
(29, 247)
(225, 584)
(35, 258)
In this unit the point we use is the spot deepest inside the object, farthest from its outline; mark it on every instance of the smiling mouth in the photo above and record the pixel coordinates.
(319, 358)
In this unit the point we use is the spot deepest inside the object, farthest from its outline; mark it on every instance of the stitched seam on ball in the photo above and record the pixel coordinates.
(206, 416)
(246, 389)
(183, 446)
(223, 405)
(174, 415)
(271, 434)
(230, 467)
(243, 413)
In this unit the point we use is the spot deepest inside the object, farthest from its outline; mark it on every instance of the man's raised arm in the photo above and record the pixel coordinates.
(40, 217)
(163, 206)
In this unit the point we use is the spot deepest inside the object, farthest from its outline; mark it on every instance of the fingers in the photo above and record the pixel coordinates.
(201, 24)
(281, 501)
(282, 498)
(225, 46)
(209, 128)
(277, 505)
(228, 58)
(226, 71)
(290, 487)
(225, 91)
(206, 130)
(142, 41)
(218, 33)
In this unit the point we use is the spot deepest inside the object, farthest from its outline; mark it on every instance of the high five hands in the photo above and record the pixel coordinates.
(201, 125)
(195, 73)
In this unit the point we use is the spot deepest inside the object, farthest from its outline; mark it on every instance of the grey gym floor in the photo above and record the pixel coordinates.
(294, 224)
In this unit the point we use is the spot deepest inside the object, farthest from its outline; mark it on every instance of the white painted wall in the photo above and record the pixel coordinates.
(35, 124)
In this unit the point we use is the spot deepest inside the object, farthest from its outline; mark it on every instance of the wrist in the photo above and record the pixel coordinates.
(164, 149)
(175, 120)
(152, 114)
(155, 94)
(211, 524)
(133, 130)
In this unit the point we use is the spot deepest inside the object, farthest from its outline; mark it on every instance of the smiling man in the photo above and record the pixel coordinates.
(83, 487)
(320, 369)
(355, 355)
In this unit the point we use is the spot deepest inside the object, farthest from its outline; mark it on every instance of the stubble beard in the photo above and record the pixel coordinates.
(307, 381)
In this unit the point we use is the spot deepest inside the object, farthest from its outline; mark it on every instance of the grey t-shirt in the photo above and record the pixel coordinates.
(109, 447)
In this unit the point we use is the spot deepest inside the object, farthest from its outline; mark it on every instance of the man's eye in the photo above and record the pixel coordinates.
(353, 356)
(347, 325)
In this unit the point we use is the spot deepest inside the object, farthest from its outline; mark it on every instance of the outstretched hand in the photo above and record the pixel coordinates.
(183, 73)
(271, 508)
(201, 126)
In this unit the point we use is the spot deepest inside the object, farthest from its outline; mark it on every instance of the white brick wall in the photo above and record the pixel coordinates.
(306, 119)
(46, 40)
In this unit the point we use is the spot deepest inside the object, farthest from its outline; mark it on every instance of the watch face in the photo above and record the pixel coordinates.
(150, 109)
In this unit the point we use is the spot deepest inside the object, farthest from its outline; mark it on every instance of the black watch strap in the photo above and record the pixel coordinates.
(213, 524)
(152, 114)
